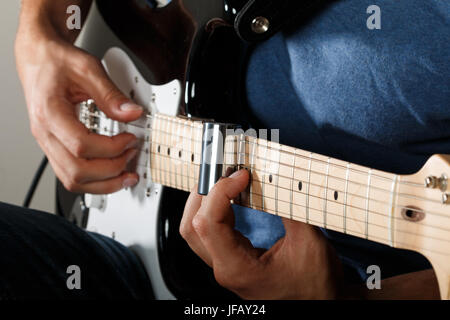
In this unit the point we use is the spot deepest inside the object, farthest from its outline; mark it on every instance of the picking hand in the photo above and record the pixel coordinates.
(56, 77)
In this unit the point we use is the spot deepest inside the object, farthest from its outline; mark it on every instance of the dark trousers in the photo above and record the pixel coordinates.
(36, 250)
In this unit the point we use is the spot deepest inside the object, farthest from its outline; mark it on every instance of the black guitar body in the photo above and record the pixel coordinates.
(200, 43)
(193, 41)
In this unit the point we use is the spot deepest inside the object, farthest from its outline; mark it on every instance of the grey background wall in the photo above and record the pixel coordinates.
(19, 153)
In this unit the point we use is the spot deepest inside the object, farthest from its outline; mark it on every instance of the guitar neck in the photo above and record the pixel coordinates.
(285, 181)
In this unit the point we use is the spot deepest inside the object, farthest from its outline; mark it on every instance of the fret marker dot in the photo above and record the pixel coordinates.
(159, 149)
(335, 195)
(300, 186)
(270, 178)
(180, 154)
(192, 158)
(168, 151)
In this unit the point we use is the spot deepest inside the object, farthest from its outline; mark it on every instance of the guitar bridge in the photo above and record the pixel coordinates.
(89, 115)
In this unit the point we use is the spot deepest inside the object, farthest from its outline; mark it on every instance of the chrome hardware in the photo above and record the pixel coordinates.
(443, 182)
(89, 115)
(431, 182)
(435, 182)
(445, 198)
(260, 25)
(212, 166)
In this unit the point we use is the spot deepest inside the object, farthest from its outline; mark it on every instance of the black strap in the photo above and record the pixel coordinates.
(278, 13)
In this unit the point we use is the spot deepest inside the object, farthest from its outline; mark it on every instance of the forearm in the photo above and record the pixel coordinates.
(421, 285)
(47, 19)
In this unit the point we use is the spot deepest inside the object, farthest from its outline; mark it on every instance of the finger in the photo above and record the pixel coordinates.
(214, 224)
(82, 143)
(125, 180)
(187, 230)
(79, 174)
(107, 96)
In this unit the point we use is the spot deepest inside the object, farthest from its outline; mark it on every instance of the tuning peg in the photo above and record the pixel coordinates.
(445, 198)
(435, 182)
(443, 183)
(431, 182)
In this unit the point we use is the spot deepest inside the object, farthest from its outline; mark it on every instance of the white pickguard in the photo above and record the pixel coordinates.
(130, 216)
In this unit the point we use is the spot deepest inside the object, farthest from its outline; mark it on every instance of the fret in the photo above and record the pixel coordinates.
(198, 147)
(264, 176)
(252, 170)
(166, 142)
(171, 154)
(345, 196)
(308, 186)
(326, 194)
(241, 157)
(392, 210)
(277, 189)
(369, 177)
(191, 152)
(183, 156)
(159, 149)
(291, 204)
(152, 147)
(178, 154)
(241, 150)
(311, 188)
(174, 141)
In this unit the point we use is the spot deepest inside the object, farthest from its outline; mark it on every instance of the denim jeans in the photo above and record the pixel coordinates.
(36, 249)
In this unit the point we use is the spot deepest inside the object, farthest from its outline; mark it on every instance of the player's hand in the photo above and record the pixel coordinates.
(56, 76)
(301, 265)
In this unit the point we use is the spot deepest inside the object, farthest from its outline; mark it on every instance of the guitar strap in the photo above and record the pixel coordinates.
(258, 20)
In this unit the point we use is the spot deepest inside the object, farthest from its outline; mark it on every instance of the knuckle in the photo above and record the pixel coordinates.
(70, 185)
(76, 176)
(111, 94)
(186, 230)
(200, 225)
(38, 112)
(35, 130)
(117, 166)
(87, 63)
(78, 148)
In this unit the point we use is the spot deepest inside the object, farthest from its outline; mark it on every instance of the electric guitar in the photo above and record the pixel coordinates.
(184, 60)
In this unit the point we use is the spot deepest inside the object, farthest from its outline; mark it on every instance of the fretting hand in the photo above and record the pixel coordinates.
(301, 265)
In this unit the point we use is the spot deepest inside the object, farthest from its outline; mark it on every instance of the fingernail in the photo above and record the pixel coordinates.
(131, 155)
(130, 107)
(129, 182)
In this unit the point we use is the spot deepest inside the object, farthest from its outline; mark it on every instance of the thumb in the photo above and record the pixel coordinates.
(226, 190)
(109, 98)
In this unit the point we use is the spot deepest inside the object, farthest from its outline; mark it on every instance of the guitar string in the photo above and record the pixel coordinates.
(321, 198)
(351, 194)
(280, 151)
(320, 223)
(401, 195)
(318, 173)
(316, 160)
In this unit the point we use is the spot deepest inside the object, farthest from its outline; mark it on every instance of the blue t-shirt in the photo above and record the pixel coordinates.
(379, 98)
